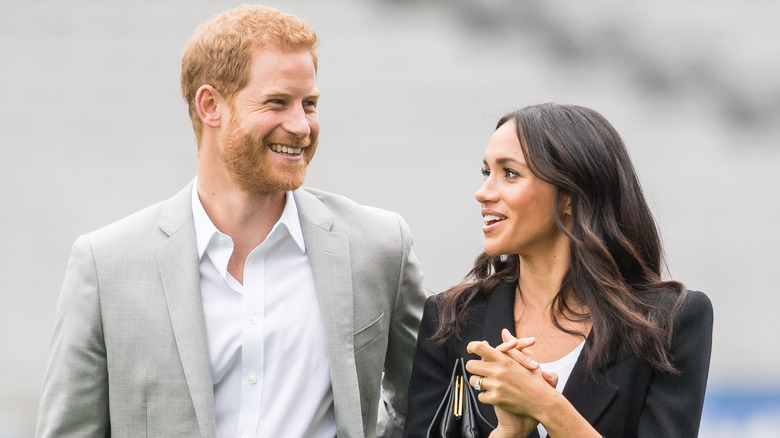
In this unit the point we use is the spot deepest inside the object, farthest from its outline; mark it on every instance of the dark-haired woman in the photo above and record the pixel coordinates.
(569, 286)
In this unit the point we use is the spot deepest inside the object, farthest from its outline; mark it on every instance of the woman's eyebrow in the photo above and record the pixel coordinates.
(503, 161)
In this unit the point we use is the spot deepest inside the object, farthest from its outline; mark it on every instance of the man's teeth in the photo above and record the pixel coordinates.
(282, 149)
(490, 218)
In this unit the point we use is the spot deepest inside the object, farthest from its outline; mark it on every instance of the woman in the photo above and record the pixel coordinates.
(569, 286)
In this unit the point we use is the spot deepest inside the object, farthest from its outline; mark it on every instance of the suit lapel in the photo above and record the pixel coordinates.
(177, 260)
(330, 261)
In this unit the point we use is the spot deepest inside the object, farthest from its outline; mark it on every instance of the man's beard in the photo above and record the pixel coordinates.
(254, 168)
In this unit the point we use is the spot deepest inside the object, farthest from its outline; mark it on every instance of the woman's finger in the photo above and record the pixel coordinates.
(550, 378)
(523, 358)
(506, 336)
(507, 345)
(490, 358)
(484, 350)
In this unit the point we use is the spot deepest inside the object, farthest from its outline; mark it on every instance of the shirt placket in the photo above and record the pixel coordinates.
(252, 357)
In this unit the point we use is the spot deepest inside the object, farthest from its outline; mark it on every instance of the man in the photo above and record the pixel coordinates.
(242, 306)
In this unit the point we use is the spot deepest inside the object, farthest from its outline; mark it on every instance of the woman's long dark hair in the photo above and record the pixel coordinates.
(614, 244)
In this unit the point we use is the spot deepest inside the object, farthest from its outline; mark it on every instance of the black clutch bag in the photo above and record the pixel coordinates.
(458, 415)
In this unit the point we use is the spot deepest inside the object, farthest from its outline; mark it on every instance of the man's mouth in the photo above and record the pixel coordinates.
(284, 149)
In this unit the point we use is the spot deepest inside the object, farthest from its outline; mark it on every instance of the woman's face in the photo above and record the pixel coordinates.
(517, 207)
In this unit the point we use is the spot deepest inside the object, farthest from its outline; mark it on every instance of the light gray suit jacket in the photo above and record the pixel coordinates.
(129, 355)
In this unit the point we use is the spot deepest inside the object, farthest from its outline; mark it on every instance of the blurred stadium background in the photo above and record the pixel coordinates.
(93, 128)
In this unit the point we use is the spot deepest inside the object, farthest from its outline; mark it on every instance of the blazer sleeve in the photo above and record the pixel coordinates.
(404, 325)
(74, 400)
(431, 374)
(673, 403)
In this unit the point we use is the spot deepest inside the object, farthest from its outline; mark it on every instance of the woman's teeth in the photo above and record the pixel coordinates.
(490, 218)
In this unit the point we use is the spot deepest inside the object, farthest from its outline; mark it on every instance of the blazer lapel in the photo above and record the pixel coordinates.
(177, 259)
(500, 313)
(330, 264)
(590, 394)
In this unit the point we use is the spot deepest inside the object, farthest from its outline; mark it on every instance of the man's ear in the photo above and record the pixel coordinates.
(209, 104)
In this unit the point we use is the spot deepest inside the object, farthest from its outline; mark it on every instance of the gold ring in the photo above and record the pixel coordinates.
(478, 385)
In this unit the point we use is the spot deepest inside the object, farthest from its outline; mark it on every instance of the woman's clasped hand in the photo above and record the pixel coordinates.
(504, 372)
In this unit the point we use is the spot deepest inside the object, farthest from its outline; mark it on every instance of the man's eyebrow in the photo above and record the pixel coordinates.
(280, 93)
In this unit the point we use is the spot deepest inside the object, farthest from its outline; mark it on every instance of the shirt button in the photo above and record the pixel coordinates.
(252, 380)
(253, 320)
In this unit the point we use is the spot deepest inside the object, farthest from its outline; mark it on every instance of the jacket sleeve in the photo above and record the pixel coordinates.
(404, 325)
(430, 375)
(673, 403)
(74, 399)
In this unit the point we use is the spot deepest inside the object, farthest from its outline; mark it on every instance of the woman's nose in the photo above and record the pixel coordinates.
(485, 193)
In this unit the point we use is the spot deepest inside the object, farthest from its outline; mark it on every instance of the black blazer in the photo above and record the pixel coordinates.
(627, 399)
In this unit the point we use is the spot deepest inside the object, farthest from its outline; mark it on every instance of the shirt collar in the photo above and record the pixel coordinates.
(205, 228)
(292, 221)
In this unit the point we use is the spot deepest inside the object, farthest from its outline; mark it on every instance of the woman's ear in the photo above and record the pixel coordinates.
(564, 205)
(209, 104)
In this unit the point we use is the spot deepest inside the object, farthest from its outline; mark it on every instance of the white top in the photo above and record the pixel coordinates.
(269, 363)
(562, 367)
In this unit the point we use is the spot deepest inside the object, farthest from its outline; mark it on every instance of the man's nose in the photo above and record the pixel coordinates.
(296, 122)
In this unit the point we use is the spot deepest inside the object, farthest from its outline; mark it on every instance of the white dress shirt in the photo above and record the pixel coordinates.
(269, 362)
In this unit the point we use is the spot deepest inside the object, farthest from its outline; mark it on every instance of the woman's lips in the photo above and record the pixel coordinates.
(492, 220)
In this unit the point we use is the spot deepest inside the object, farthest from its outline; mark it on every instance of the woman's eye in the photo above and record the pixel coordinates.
(509, 173)
(485, 173)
